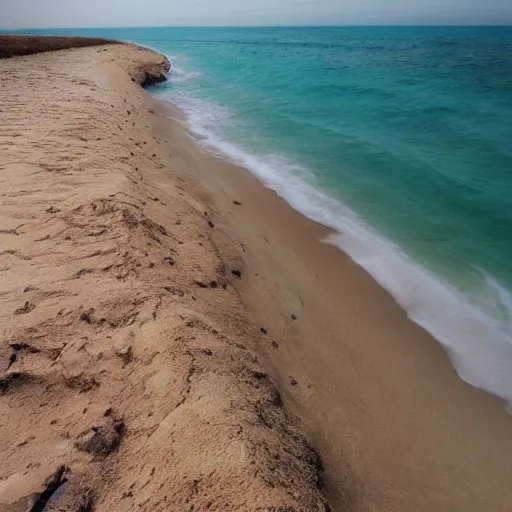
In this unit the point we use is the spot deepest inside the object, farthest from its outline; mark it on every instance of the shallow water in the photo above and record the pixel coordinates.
(398, 138)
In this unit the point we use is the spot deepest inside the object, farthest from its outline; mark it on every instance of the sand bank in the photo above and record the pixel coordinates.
(396, 428)
(129, 378)
(16, 45)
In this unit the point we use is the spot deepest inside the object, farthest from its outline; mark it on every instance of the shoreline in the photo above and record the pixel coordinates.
(378, 394)
(335, 238)
(430, 300)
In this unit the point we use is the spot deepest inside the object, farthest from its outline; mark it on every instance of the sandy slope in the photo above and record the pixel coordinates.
(126, 361)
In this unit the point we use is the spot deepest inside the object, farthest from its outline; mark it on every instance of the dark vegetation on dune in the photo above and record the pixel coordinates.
(15, 45)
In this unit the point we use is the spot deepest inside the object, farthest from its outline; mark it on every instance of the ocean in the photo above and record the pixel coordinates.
(398, 138)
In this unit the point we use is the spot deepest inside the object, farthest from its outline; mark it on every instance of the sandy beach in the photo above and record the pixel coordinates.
(129, 378)
(176, 337)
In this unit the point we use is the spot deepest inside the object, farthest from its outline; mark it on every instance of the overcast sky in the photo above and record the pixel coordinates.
(110, 13)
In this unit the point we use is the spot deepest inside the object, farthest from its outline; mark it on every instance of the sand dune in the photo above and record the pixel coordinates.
(128, 377)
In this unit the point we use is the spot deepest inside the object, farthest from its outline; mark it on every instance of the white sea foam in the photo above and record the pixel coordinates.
(479, 346)
(179, 75)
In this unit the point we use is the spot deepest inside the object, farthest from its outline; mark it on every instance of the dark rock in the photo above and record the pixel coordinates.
(152, 79)
(263, 330)
(71, 493)
(102, 440)
(70, 497)
(51, 485)
(236, 273)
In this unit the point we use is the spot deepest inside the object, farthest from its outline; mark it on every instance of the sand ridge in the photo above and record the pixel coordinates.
(128, 379)
(13, 45)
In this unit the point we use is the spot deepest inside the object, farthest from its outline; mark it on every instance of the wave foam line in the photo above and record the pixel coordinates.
(479, 347)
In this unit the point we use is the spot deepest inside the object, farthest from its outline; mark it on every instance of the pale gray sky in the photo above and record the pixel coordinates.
(109, 13)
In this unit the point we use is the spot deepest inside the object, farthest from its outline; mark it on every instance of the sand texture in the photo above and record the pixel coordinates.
(128, 375)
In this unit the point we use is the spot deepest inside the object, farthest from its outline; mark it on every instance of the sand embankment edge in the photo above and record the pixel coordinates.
(15, 45)
(129, 369)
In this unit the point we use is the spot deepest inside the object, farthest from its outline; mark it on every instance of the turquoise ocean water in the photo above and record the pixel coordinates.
(399, 138)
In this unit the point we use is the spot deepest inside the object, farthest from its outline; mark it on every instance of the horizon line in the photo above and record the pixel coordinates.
(404, 25)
